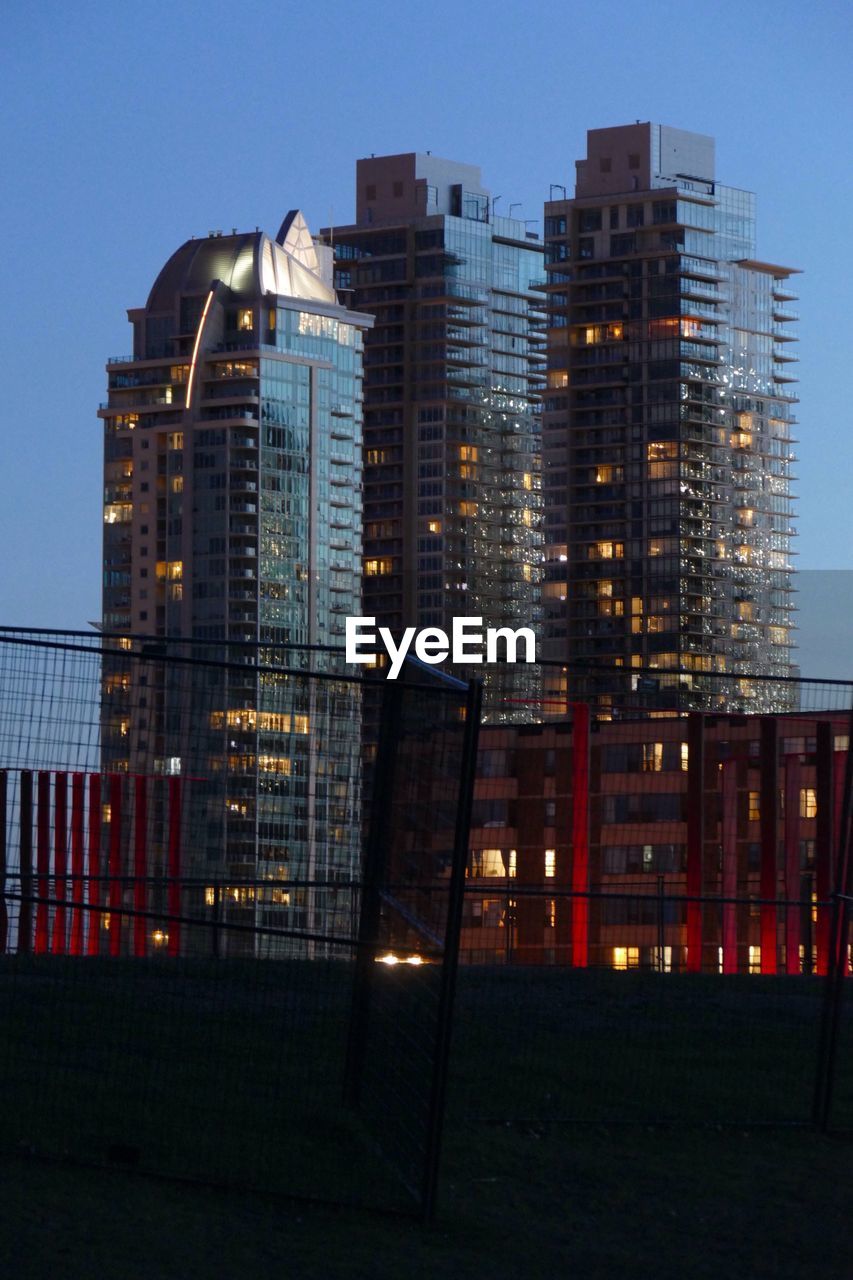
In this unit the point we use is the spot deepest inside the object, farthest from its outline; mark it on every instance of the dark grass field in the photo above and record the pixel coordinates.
(600, 1124)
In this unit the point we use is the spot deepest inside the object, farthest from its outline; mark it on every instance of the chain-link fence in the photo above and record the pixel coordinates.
(186, 936)
(642, 874)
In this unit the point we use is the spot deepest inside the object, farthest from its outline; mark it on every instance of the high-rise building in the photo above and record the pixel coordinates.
(452, 387)
(232, 520)
(667, 427)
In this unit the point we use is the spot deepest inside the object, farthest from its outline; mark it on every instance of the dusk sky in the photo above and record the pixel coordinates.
(127, 129)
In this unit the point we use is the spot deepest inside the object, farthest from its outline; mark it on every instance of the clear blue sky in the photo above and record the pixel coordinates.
(128, 128)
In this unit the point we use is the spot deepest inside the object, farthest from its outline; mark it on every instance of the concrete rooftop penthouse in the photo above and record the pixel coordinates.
(393, 188)
(641, 157)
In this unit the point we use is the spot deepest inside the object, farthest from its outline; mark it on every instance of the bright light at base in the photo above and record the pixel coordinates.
(390, 958)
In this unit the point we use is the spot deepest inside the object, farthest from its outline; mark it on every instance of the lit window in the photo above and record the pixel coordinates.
(434, 526)
(626, 957)
(550, 863)
(379, 567)
(808, 802)
(177, 484)
(754, 807)
(468, 508)
(755, 959)
(245, 320)
(606, 550)
(468, 452)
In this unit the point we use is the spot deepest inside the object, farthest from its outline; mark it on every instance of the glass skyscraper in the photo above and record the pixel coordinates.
(667, 428)
(232, 524)
(453, 380)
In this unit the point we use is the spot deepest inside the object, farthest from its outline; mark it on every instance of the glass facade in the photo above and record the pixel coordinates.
(452, 462)
(233, 519)
(667, 443)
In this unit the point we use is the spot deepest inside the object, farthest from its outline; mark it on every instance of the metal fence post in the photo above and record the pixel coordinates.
(375, 856)
(661, 932)
(837, 959)
(473, 714)
(217, 918)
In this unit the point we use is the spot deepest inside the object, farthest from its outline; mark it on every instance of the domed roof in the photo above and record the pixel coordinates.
(249, 263)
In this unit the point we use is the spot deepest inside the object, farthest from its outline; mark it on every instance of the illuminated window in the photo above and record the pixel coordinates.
(558, 378)
(118, 513)
(375, 456)
(175, 440)
(467, 471)
(527, 480)
(468, 452)
(606, 550)
(808, 802)
(492, 862)
(275, 764)
(755, 959)
(177, 484)
(380, 567)
(550, 863)
(468, 508)
(626, 957)
(652, 757)
(434, 526)
(245, 320)
(685, 756)
(754, 811)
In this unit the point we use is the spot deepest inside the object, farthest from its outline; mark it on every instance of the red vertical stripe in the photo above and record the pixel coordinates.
(140, 865)
(60, 861)
(729, 849)
(93, 944)
(769, 828)
(839, 769)
(115, 864)
(695, 837)
(580, 835)
(42, 861)
(77, 866)
(174, 927)
(829, 781)
(25, 919)
(793, 915)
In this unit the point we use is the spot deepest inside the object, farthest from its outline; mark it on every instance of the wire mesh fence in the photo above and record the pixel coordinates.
(184, 929)
(229, 914)
(642, 874)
